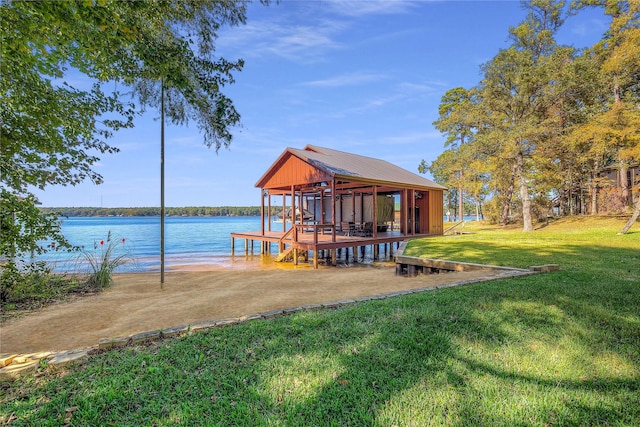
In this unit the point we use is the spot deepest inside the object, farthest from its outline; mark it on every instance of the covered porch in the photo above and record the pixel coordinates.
(330, 200)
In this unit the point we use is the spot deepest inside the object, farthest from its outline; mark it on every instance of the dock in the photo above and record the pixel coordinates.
(318, 241)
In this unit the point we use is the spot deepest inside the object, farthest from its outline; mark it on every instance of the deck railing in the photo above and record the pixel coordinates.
(303, 228)
(292, 230)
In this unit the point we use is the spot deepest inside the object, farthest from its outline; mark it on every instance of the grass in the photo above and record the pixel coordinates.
(561, 348)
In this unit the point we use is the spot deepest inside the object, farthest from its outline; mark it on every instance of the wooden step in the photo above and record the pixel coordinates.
(283, 256)
(287, 254)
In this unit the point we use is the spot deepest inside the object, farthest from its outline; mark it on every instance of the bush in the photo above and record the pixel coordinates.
(24, 281)
(103, 261)
(31, 286)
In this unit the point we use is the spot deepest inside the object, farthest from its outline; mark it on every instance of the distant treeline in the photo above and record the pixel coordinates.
(185, 211)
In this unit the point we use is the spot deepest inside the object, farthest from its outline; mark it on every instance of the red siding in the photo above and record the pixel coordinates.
(295, 172)
(436, 212)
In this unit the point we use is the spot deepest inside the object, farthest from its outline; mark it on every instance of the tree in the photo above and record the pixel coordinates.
(634, 216)
(546, 119)
(611, 133)
(457, 124)
(516, 93)
(53, 132)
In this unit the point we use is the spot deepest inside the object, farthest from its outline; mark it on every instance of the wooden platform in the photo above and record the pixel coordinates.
(317, 238)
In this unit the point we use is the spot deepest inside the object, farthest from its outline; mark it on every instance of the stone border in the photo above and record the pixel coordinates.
(16, 365)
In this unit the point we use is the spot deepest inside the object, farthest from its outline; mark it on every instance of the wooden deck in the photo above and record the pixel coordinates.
(317, 238)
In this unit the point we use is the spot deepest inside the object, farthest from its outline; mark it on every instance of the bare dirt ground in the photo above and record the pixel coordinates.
(136, 302)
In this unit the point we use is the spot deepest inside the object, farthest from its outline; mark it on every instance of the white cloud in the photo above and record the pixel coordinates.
(350, 79)
(428, 87)
(370, 7)
(296, 43)
(278, 31)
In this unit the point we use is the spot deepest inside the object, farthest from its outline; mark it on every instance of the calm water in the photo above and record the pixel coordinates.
(188, 240)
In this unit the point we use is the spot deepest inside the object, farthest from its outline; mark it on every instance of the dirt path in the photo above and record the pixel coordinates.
(136, 303)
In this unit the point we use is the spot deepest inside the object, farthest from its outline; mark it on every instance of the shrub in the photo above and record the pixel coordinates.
(32, 286)
(103, 261)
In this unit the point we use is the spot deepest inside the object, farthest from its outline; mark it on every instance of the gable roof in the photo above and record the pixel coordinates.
(351, 168)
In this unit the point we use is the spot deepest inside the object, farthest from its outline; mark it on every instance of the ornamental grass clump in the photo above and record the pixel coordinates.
(103, 261)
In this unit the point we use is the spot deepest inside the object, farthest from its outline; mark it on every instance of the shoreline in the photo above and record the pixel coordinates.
(198, 261)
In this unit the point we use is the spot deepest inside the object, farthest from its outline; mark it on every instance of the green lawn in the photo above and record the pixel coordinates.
(560, 348)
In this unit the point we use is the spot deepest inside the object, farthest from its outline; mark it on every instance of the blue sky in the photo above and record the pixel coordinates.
(362, 76)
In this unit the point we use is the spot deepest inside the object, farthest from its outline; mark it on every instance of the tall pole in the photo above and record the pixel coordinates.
(162, 183)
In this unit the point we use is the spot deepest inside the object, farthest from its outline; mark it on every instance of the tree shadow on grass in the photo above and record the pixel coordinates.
(421, 350)
(416, 362)
(482, 354)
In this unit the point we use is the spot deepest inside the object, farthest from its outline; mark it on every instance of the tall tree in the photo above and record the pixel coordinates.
(614, 131)
(52, 132)
(546, 119)
(516, 92)
(623, 64)
(456, 122)
(581, 94)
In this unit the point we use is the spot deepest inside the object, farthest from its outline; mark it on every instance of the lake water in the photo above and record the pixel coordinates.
(189, 242)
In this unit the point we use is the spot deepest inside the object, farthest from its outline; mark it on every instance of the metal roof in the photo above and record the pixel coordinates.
(353, 167)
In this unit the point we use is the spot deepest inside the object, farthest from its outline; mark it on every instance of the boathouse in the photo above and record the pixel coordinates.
(333, 200)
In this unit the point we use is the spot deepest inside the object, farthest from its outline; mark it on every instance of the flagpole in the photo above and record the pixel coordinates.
(162, 184)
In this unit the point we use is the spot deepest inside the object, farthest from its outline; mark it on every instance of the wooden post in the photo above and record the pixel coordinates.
(233, 245)
(375, 212)
(333, 209)
(405, 211)
(398, 269)
(293, 206)
(413, 212)
(268, 211)
(284, 210)
(321, 194)
(262, 211)
(411, 270)
(353, 206)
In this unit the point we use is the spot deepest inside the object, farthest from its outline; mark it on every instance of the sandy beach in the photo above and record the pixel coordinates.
(137, 303)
